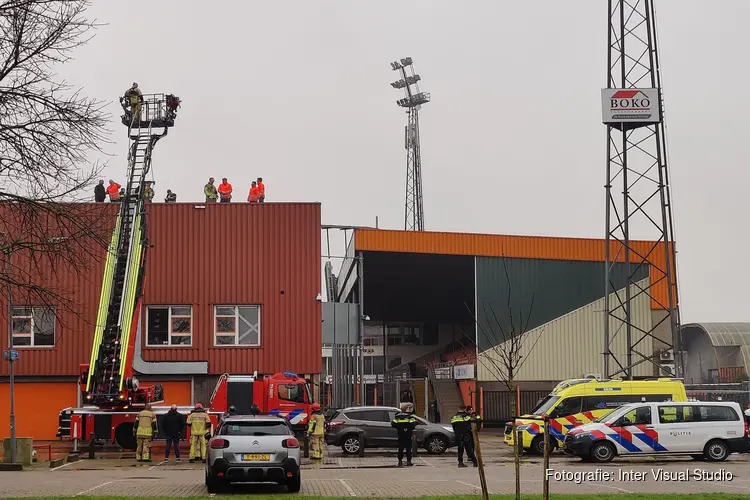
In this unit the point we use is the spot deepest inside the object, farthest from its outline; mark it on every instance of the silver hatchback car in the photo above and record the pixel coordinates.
(248, 449)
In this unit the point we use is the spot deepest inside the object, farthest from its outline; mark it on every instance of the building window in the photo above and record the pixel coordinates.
(237, 325)
(34, 326)
(168, 326)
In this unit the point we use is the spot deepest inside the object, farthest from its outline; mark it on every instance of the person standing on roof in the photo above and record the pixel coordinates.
(405, 423)
(145, 430)
(252, 197)
(174, 424)
(210, 191)
(200, 424)
(113, 190)
(261, 190)
(135, 99)
(225, 191)
(148, 192)
(100, 192)
(316, 432)
(171, 197)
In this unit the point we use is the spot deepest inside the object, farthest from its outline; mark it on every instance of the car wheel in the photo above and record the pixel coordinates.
(212, 485)
(294, 485)
(436, 444)
(716, 451)
(537, 446)
(351, 444)
(603, 451)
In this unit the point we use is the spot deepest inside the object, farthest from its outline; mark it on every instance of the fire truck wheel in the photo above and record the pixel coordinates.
(124, 436)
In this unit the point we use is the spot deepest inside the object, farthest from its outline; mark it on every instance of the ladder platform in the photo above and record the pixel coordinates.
(155, 123)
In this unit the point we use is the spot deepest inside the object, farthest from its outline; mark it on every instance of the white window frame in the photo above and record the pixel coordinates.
(30, 335)
(170, 333)
(235, 334)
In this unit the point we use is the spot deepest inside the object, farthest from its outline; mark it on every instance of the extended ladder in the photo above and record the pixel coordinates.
(109, 381)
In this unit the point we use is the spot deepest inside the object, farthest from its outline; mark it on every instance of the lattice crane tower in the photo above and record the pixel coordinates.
(413, 210)
(638, 201)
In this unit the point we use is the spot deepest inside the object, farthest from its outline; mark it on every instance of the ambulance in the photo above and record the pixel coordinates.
(576, 402)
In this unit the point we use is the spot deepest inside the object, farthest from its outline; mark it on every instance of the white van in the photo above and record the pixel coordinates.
(701, 429)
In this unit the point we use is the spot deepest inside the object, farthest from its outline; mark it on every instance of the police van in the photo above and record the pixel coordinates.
(579, 401)
(701, 429)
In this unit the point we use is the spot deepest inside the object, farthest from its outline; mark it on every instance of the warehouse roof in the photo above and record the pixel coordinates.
(725, 335)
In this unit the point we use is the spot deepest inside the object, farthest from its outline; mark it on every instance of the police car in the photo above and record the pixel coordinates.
(700, 429)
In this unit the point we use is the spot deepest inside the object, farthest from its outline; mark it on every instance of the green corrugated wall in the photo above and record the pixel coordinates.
(547, 288)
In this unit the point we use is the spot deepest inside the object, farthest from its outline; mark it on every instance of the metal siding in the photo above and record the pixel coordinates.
(74, 330)
(528, 247)
(572, 345)
(223, 254)
(540, 290)
(240, 254)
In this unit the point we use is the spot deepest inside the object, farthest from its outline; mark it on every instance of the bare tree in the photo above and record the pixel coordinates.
(507, 332)
(48, 130)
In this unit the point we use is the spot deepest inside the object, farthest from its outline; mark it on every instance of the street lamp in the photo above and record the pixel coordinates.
(11, 355)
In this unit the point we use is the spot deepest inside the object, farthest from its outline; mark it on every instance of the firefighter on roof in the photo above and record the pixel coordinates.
(145, 429)
(316, 432)
(199, 423)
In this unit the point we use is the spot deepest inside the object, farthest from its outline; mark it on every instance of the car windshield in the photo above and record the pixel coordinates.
(259, 428)
(545, 405)
(616, 413)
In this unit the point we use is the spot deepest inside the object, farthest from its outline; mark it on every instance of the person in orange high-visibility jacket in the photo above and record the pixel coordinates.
(261, 190)
(199, 423)
(253, 196)
(113, 190)
(145, 430)
(225, 191)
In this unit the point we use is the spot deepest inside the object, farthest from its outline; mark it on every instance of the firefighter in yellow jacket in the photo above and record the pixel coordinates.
(145, 430)
(199, 423)
(316, 432)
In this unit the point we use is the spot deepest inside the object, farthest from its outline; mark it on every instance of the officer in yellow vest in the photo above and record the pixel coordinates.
(199, 423)
(145, 430)
(316, 432)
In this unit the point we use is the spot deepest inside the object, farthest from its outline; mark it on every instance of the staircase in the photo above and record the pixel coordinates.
(417, 388)
(447, 394)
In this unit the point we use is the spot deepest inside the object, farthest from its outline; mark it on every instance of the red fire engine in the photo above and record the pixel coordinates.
(113, 395)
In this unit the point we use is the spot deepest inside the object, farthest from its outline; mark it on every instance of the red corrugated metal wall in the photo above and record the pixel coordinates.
(233, 254)
(240, 254)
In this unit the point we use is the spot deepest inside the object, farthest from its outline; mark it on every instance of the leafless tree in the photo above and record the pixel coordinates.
(507, 332)
(48, 130)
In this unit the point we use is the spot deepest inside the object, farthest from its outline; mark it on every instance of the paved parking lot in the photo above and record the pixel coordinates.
(375, 475)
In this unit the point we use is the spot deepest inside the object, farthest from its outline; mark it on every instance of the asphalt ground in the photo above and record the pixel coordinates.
(375, 475)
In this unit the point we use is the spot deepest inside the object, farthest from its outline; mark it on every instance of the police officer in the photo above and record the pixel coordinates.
(199, 423)
(461, 423)
(404, 423)
(316, 432)
(145, 429)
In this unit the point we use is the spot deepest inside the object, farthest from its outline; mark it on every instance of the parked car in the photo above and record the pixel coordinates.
(375, 421)
(247, 448)
(707, 430)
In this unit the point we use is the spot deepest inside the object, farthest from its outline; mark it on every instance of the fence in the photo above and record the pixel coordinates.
(497, 404)
(736, 392)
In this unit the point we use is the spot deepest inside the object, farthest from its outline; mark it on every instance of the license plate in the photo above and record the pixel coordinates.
(255, 458)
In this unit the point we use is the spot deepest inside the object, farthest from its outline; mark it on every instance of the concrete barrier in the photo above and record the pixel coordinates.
(57, 462)
(24, 450)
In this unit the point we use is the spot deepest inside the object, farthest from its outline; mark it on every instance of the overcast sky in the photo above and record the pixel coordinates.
(298, 92)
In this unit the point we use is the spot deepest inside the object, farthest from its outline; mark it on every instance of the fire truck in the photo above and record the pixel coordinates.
(112, 394)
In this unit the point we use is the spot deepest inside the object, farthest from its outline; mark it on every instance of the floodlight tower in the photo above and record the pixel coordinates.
(637, 200)
(413, 211)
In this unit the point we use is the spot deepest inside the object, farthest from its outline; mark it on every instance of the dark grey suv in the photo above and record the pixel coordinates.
(375, 421)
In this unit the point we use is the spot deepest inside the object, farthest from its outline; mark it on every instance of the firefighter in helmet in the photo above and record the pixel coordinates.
(134, 97)
(316, 432)
(199, 423)
(144, 429)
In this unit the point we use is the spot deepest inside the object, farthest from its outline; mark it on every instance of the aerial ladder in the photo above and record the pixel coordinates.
(108, 378)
